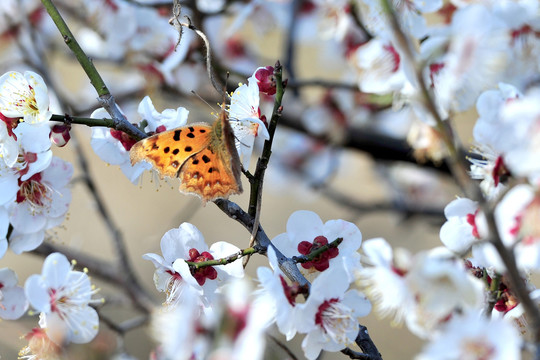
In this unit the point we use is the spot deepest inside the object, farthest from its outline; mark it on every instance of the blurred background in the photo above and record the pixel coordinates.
(338, 152)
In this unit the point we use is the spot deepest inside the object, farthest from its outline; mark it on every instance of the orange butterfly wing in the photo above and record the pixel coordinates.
(204, 157)
(168, 151)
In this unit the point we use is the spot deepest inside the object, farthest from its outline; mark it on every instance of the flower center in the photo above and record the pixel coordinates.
(55, 301)
(33, 191)
(39, 346)
(235, 321)
(434, 70)
(321, 261)
(527, 226)
(26, 101)
(477, 349)
(394, 56)
(336, 320)
(174, 288)
(11, 123)
(499, 171)
(24, 160)
(207, 272)
(471, 220)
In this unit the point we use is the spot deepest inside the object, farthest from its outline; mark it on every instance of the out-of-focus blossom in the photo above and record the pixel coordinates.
(517, 220)
(425, 290)
(40, 346)
(478, 46)
(464, 225)
(409, 12)
(379, 67)
(473, 336)
(13, 303)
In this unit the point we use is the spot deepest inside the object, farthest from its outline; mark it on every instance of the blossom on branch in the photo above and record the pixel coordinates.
(186, 243)
(245, 119)
(330, 315)
(24, 96)
(63, 297)
(41, 203)
(306, 233)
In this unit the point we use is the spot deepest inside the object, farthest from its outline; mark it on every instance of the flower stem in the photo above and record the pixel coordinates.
(224, 261)
(83, 120)
(256, 184)
(312, 255)
(74, 46)
(105, 98)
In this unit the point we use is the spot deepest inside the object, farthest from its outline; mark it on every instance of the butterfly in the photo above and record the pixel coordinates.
(202, 156)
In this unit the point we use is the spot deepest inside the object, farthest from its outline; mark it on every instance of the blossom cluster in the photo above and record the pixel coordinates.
(201, 299)
(34, 195)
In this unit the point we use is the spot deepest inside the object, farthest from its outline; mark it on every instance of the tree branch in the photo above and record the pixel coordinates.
(104, 96)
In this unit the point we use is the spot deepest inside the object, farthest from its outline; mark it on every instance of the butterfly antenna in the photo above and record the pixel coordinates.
(203, 100)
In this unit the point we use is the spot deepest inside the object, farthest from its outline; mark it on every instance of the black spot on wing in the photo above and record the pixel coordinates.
(176, 136)
(176, 151)
(191, 135)
(206, 159)
(166, 150)
(188, 149)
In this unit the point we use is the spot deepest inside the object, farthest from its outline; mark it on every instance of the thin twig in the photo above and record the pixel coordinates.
(290, 41)
(256, 183)
(209, 69)
(67, 119)
(355, 14)
(126, 326)
(300, 83)
(225, 260)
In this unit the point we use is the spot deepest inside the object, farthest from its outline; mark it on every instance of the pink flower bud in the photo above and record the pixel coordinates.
(59, 135)
(265, 80)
